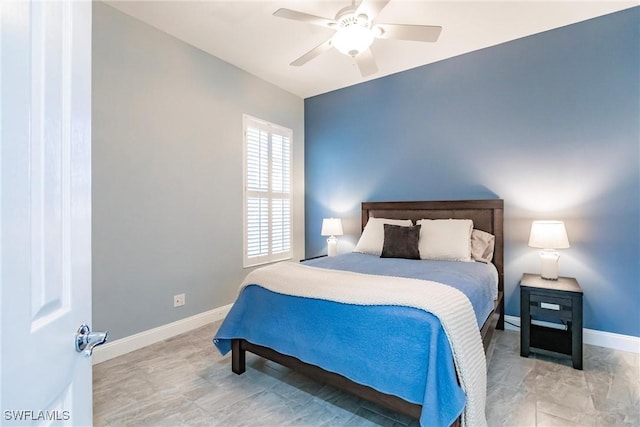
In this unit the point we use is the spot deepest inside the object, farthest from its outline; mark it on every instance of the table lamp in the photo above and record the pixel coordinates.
(548, 236)
(331, 227)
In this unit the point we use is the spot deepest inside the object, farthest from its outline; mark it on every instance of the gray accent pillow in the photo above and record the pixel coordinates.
(401, 242)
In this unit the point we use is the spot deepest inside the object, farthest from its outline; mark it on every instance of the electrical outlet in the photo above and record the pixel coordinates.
(178, 300)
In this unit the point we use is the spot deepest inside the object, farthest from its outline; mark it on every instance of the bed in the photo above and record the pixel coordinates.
(399, 329)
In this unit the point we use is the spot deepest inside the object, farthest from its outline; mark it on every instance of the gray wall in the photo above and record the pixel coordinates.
(167, 173)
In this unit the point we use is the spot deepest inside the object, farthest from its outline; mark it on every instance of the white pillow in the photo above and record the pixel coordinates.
(372, 238)
(445, 239)
(482, 245)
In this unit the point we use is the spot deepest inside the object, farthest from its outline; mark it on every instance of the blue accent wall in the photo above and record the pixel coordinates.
(550, 123)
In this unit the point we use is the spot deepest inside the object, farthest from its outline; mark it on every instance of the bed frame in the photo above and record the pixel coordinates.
(487, 215)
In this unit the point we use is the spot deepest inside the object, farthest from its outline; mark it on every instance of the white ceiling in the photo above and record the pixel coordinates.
(245, 34)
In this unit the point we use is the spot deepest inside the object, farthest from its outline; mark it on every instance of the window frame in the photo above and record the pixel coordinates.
(270, 194)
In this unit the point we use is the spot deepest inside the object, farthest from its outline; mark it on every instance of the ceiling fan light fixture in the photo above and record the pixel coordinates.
(356, 31)
(353, 39)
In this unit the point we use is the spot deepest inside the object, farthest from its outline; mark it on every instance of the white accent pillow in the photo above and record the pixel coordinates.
(482, 245)
(445, 239)
(372, 238)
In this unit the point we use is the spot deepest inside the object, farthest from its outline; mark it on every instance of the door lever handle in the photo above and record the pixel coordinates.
(86, 340)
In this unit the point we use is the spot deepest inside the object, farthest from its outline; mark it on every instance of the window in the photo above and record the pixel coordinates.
(267, 192)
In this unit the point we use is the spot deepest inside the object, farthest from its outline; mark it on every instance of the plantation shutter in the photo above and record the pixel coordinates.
(267, 207)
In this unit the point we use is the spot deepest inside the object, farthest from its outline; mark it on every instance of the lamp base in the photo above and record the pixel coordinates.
(549, 265)
(332, 246)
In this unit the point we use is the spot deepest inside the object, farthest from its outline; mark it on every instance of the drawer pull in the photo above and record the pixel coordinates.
(549, 306)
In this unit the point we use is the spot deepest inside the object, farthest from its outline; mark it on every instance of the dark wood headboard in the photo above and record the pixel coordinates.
(487, 215)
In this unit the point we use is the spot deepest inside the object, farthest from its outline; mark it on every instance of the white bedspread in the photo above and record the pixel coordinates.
(450, 305)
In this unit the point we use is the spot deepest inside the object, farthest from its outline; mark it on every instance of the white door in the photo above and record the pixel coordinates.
(45, 212)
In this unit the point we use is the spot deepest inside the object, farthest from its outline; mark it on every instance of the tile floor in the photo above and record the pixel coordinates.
(184, 381)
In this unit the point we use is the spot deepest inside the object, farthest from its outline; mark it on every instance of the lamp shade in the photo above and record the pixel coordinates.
(331, 227)
(548, 235)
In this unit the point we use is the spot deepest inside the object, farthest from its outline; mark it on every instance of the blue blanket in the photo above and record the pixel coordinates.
(477, 280)
(401, 351)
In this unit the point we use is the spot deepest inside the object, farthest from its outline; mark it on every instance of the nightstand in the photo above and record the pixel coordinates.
(557, 302)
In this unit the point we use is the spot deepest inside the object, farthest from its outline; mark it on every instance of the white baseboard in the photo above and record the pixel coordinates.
(134, 342)
(152, 336)
(593, 337)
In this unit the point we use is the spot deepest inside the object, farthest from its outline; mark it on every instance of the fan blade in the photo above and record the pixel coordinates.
(419, 33)
(304, 17)
(316, 51)
(366, 63)
(371, 8)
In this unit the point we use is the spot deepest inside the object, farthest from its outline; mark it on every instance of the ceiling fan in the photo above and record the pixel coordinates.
(356, 30)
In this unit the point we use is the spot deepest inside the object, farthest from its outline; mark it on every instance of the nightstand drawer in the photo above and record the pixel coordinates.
(556, 316)
(550, 308)
(549, 302)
